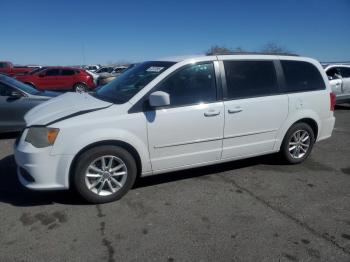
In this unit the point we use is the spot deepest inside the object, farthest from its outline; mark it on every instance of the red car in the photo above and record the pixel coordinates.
(9, 69)
(59, 78)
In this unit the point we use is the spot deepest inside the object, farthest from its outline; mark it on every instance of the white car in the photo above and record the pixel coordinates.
(162, 116)
(92, 68)
(339, 78)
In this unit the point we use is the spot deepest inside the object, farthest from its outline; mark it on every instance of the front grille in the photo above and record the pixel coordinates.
(25, 174)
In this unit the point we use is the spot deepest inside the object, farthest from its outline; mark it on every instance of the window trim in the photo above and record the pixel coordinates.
(142, 104)
(278, 72)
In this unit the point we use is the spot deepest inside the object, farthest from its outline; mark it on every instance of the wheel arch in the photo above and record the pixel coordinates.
(311, 119)
(120, 143)
(312, 123)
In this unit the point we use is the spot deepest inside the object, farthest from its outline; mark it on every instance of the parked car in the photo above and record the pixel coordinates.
(16, 99)
(339, 78)
(107, 77)
(9, 69)
(60, 79)
(92, 68)
(162, 116)
(105, 69)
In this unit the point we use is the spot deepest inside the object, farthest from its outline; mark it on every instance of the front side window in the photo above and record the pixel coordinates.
(246, 79)
(3, 65)
(128, 84)
(333, 73)
(302, 76)
(193, 84)
(5, 90)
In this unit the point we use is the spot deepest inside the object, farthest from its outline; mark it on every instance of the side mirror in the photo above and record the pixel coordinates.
(159, 98)
(330, 78)
(16, 94)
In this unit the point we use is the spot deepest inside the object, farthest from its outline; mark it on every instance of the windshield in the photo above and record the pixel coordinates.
(22, 86)
(36, 70)
(129, 83)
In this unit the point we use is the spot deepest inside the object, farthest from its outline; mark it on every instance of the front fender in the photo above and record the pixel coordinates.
(74, 146)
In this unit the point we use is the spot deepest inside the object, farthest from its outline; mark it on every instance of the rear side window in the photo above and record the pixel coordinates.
(250, 79)
(302, 76)
(345, 72)
(67, 72)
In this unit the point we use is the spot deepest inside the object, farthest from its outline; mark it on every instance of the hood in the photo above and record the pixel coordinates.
(63, 106)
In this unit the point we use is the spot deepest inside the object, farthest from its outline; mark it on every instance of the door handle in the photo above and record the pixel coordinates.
(212, 113)
(235, 110)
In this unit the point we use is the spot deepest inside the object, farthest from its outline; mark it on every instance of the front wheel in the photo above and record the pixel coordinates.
(80, 88)
(104, 174)
(298, 143)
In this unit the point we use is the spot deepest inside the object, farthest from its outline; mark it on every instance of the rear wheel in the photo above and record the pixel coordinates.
(298, 143)
(104, 174)
(80, 88)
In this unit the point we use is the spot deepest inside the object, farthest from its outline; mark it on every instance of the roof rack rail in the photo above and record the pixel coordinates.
(254, 53)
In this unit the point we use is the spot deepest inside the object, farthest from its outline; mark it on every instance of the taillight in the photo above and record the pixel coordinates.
(332, 101)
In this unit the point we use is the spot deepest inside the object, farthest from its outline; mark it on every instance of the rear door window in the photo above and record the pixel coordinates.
(67, 72)
(302, 76)
(246, 79)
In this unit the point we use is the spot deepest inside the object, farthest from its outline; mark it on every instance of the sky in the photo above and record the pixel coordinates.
(72, 32)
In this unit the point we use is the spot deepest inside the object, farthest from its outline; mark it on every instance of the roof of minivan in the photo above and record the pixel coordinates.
(177, 59)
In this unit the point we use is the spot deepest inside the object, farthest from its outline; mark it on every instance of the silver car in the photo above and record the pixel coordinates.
(339, 78)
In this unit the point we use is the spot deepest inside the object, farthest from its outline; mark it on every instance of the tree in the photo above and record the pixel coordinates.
(274, 48)
(219, 50)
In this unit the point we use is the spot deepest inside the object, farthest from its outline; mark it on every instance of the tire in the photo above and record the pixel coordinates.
(86, 179)
(289, 151)
(80, 88)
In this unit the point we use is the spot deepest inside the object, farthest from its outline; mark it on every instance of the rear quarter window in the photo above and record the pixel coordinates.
(302, 76)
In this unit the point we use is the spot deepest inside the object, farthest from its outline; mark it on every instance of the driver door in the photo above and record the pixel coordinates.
(190, 130)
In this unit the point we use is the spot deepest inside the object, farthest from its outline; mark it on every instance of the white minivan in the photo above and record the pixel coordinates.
(175, 114)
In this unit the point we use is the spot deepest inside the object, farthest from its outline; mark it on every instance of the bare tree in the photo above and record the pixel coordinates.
(219, 50)
(274, 48)
(269, 48)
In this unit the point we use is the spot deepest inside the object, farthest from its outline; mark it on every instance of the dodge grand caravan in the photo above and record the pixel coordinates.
(162, 116)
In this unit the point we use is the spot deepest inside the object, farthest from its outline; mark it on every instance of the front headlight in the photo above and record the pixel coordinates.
(42, 136)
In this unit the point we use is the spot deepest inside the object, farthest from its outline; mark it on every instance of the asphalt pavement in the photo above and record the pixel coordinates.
(251, 210)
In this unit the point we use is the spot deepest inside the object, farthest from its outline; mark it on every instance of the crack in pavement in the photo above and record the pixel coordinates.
(105, 242)
(286, 215)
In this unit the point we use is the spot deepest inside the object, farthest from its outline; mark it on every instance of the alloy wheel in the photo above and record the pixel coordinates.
(299, 144)
(106, 175)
